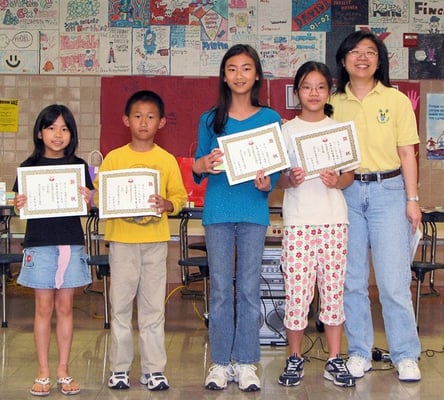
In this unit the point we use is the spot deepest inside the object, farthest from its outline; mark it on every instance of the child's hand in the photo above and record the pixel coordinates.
(262, 182)
(20, 201)
(160, 204)
(86, 193)
(329, 178)
(208, 163)
(296, 176)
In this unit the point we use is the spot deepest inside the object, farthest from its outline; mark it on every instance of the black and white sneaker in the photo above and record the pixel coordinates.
(337, 372)
(293, 372)
(119, 380)
(155, 381)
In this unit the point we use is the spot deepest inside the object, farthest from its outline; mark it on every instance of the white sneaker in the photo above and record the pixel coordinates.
(246, 376)
(408, 371)
(219, 376)
(358, 366)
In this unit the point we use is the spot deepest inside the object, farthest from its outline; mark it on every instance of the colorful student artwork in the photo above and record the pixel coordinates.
(188, 37)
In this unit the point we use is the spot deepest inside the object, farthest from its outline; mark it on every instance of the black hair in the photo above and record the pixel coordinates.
(311, 66)
(146, 96)
(220, 111)
(349, 43)
(46, 118)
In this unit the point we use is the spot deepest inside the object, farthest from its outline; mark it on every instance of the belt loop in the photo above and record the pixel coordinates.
(378, 175)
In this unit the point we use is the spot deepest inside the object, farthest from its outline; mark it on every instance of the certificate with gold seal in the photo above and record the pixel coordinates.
(125, 192)
(247, 152)
(52, 191)
(332, 147)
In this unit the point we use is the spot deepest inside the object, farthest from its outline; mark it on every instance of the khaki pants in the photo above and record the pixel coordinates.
(138, 271)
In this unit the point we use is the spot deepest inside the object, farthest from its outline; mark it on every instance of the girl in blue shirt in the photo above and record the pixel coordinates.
(235, 219)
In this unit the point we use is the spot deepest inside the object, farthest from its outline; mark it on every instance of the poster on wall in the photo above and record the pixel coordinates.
(311, 15)
(435, 126)
(427, 16)
(426, 60)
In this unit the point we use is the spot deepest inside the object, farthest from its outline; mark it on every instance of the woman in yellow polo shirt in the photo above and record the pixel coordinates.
(382, 204)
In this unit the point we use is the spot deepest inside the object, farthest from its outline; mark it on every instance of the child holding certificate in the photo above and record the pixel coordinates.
(138, 248)
(235, 220)
(314, 245)
(54, 261)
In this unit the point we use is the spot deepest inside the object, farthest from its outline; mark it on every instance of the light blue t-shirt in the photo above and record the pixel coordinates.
(241, 202)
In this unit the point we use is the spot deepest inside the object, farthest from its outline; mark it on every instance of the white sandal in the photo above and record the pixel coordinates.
(43, 382)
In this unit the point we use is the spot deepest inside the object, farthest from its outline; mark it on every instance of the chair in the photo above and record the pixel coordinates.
(5, 261)
(97, 260)
(101, 262)
(426, 265)
(193, 269)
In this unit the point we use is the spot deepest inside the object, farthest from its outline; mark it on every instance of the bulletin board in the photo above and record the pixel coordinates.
(185, 100)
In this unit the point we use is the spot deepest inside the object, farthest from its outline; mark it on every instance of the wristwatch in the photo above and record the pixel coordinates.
(413, 198)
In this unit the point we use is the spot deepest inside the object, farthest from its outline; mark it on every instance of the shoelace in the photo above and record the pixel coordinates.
(340, 365)
(292, 366)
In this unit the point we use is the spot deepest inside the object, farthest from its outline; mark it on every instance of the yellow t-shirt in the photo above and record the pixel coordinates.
(384, 120)
(126, 230)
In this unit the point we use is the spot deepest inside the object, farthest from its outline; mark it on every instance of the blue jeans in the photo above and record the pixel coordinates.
(235, 310)
(377, 215)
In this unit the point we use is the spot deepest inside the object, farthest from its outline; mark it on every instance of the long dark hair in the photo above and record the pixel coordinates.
(220, 111)
(46, 118)
(311, 66)
(349, 43)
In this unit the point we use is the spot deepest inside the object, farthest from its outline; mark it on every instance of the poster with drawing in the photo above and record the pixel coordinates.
(18, 15)
(435, 126)
(80, 16)
(19, 51)
(79, 53)
(242, 22)
(185, 50)
(129, 13)
(427, 16)
(388, 11)
(115, 51)
(426, 60)
(151, 51)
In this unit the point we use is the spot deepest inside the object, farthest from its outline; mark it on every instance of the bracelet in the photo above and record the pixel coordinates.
(413, 198)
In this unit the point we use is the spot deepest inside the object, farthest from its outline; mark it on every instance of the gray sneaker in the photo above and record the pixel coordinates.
(293, 372)
(337, 372)
(155, 381)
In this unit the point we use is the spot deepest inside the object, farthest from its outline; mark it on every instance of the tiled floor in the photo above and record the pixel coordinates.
(188, 356)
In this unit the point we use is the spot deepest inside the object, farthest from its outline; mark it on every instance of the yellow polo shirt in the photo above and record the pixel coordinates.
(384, 120)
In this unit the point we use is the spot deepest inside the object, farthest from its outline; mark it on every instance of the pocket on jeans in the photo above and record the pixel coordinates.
(28, 259)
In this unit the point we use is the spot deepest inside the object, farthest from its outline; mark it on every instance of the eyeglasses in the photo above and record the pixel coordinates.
(367, 53)
(308, 89)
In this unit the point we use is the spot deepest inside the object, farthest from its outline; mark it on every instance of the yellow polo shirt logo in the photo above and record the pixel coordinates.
(383, 116)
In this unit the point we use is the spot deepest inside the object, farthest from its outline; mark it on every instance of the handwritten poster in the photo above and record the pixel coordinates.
(435, 126)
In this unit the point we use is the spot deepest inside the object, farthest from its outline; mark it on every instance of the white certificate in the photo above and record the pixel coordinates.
(125, 192)
(52, 191)
(247, 152)
(332, 147)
